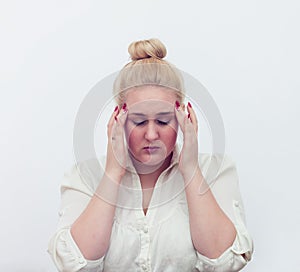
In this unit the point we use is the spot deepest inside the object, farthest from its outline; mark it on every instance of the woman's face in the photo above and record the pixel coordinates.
(151, 126)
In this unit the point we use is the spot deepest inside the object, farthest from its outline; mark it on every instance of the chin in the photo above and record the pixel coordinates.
(153, 160)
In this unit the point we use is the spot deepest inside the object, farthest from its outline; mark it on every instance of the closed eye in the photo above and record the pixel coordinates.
(139, 123)
(159, 122)
(162, 122)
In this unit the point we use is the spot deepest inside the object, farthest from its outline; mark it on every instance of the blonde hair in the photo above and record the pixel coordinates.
(147, 67)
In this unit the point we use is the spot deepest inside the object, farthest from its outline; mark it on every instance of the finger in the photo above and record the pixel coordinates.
(192, 116)
(180, 115)
(117, 135)
(123, 115)
(112, 120)
(118, 125)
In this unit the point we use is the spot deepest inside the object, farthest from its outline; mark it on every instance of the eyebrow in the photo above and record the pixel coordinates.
(158, 114)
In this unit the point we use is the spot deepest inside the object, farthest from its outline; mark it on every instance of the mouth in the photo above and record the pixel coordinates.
(151, 148)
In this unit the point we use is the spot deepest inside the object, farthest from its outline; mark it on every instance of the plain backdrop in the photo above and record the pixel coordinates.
(246, 53)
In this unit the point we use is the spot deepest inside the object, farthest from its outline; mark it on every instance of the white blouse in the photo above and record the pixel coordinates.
(159, 241)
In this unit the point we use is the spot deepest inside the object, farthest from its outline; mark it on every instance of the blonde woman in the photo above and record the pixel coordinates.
(151, 208)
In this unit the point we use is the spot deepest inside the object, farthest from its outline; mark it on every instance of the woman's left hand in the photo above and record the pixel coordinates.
(188, 158)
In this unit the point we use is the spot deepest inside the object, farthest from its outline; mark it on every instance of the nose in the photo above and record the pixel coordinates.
(151, 132)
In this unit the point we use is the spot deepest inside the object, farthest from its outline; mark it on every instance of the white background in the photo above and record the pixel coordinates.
(246, 53)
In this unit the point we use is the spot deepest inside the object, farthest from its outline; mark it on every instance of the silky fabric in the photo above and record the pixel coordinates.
(159, 241)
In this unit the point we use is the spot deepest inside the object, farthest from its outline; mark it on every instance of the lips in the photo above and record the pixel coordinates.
(151, 148)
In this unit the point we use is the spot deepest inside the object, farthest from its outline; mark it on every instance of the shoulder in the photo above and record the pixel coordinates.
(221, 161)
(216, 165)
(84, 176)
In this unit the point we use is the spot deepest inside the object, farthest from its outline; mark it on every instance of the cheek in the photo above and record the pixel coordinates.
(170, 136)
(133, 136)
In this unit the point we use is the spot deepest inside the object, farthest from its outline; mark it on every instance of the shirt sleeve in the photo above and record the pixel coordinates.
(225, 188)
(76, 193)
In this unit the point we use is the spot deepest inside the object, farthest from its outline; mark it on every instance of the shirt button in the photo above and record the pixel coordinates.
(81, 261)
(236, 248)
(236, 203)
(144, 267)
(146, 229)
(205, 266)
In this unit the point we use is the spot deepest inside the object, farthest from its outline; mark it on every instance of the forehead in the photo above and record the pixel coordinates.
(151, 95)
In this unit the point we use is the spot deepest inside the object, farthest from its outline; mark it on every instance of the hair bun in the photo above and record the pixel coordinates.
(152, 48)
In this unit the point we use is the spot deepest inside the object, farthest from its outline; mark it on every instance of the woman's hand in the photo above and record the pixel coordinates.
(116, 158)
(188, 158)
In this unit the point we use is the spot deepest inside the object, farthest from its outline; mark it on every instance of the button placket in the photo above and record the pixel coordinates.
(143, 229)
(142, 261)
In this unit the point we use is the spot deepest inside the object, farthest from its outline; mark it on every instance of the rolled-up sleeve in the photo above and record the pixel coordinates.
(67, 256)
(75, 195)
(227, 193)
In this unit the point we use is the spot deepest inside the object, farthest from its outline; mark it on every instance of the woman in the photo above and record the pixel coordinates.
(152, 207)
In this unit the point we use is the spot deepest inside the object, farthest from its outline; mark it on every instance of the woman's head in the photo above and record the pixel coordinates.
(149, 86)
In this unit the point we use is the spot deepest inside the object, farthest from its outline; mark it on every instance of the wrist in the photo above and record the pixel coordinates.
(190, 172)
(113, 175)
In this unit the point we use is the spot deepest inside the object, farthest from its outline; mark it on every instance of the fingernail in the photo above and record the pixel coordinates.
(124, 107)
(177, 104)
(116, 108)
(189, 104)
(116, 118)
(189, 115)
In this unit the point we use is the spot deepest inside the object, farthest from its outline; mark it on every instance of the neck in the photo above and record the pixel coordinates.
(149, 173)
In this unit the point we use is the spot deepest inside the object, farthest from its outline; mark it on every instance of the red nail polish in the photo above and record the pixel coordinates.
(189, 104)
(189, 115)
(116, 108)
(116, 118)
(177, 104)
(124, 106)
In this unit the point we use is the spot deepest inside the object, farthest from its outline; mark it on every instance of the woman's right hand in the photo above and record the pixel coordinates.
(116, 158)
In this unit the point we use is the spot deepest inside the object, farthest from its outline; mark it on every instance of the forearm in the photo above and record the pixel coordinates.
(211, 230)
(92, 230)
